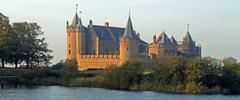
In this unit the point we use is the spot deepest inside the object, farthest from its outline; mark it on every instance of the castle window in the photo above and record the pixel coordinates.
(127, 48)
(69, 51)
(69, 45)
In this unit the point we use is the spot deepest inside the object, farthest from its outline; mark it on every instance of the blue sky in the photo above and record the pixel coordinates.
(215, 24)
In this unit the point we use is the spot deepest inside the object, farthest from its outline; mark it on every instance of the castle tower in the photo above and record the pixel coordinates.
(153, 48)
(163, 46)
(174, 46)
(188, 45)
(75, 38)
(129, 43)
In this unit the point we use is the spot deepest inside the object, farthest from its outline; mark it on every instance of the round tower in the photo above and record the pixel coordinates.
(75, 38)
(125, 49)
(71, 43)
(129, 49)
(129, 43)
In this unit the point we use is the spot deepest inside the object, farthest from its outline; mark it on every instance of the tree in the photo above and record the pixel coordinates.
(171, 70)
(122, 77)
(69, 70)
(15, 49)
(177, 68)
(230, 61)
(6, 38)
(196, 69)
(34, 49)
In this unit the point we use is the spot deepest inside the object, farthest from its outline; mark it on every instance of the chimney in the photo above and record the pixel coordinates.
(138, 34)
(90, 22)
(106, 24)
(154, 39)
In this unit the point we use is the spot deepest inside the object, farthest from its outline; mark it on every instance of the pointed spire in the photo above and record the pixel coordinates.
(173, 40)
(129, 32)
(163, 39)
(76, 20)
(76, 8)
(129, 13)
(188, 38)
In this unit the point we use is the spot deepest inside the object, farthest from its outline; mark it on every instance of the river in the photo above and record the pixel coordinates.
(73, 93)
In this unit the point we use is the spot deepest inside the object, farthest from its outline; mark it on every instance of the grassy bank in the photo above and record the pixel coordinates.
(36, 76)
(174, 75)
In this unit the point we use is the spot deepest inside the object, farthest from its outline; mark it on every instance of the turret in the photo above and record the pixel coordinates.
(173, 40)
(174, 46)
(129, 43)
(75, 38)
(189, 48)
(187, 43)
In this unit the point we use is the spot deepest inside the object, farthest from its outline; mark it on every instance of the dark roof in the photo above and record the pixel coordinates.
(85, 30)
(173, 40)
(188, 39)
(117, 32)
(104, 33)
(163, 39)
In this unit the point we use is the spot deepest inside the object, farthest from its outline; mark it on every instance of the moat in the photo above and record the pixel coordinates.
(68, 93)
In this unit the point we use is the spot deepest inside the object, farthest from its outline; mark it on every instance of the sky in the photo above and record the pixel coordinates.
(214, 24)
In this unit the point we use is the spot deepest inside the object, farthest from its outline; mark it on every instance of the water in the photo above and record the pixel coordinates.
(66, 93)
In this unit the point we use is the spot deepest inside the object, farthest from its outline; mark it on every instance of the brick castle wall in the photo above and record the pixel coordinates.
(97, 61)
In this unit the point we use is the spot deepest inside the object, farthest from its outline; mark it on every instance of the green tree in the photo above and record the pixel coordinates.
(15, 49)
(229, 79)
(171, 70)
(122, 77)
(177, 68)
(196, 69)
(69, 70)
(230, 61)
(34, 49)
(6, 38)
(113, 78)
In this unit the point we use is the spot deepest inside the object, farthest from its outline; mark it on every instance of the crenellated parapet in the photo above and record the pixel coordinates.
(99, 56)
(97, 61)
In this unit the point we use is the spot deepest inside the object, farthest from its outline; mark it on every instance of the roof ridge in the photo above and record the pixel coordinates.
(111, 34)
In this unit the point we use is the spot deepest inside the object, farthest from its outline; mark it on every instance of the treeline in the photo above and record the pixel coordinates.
(59, 74)
(173, 74)
(22, 42)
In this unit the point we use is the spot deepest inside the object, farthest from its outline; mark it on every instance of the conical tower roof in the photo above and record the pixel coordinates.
(163, 39)
(76, 21)
(129, 32)
(173, 40)
(188, 38)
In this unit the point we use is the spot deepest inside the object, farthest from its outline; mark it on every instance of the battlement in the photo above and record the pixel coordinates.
(100, 56)
(97, 61)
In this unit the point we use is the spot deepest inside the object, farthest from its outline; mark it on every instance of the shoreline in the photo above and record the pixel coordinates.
(10, 86)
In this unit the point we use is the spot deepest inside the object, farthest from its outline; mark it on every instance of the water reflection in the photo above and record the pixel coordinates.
(72, 93)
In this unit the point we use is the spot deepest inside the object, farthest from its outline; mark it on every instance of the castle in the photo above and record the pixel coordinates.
(97, 47)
